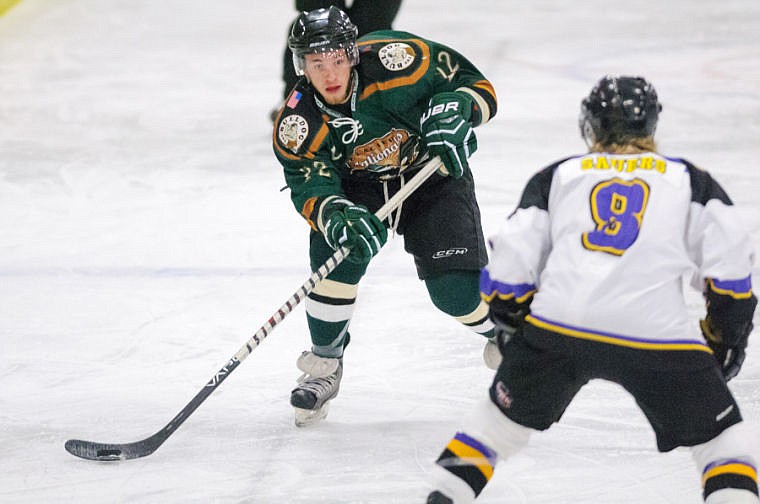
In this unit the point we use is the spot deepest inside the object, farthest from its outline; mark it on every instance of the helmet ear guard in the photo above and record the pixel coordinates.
(619, 109)
(322, 31)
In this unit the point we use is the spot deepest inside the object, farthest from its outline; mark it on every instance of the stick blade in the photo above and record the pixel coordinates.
(105, 452)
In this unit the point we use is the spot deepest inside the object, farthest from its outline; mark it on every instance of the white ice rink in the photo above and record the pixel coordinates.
(144, 239)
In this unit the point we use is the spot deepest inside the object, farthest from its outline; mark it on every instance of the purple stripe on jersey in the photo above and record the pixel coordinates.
(489, 286)
(743, 286)
(613, 338)
(477, 445)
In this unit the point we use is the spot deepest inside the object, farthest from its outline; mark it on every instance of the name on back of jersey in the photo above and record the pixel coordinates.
(624, 165)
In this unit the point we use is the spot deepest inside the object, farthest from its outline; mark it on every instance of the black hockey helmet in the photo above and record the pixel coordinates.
(322, 30)
(618, 109)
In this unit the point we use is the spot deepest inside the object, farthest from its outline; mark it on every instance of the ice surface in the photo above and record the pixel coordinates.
(143, 240)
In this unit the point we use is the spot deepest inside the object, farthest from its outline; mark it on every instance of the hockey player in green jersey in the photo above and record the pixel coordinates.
(365, 116)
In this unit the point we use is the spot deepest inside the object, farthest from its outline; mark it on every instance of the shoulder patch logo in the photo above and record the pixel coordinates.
(293, 131)
(396, 56)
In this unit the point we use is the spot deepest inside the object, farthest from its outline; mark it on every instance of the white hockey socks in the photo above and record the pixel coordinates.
(729, 473)
(467, 463)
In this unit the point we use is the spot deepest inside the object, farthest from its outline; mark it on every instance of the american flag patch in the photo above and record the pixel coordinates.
(295, 97)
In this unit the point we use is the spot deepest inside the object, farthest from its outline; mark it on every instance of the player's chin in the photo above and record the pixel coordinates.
(334, 97)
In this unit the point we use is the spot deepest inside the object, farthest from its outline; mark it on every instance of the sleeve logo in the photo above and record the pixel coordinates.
(396, 56)
(292, 131)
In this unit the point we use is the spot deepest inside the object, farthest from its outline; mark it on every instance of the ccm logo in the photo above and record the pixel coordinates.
(449, 253)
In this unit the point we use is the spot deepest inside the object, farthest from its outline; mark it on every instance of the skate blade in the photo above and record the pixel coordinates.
(306, 417)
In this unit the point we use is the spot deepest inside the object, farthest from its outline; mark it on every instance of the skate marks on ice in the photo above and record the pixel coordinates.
(142, 210)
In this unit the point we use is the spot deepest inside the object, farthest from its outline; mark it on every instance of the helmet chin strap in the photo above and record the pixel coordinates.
(350, 87)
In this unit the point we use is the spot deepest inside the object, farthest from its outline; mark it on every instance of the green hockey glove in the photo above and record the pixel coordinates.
(447, 131)
(354, 227)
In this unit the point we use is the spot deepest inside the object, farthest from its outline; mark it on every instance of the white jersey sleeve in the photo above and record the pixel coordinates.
(716, 234)
(720, 246)
(520, 249)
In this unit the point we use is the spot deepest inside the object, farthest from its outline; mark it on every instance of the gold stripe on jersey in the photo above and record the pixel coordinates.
(728, 292)
(614, 339)
(486, 87)
(310, 150)
(318, 139)
(405, 80)
(485, 114)
(308, 210)
(496, 294)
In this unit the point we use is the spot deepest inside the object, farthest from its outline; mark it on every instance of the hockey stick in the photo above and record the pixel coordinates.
(124, 451)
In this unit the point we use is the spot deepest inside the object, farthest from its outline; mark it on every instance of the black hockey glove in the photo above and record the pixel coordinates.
(730, 357)
(727, 327)
(355, 227)
(447, 131)
(508, 315)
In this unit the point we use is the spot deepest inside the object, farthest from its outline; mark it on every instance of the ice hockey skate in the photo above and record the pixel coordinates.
(316, 387)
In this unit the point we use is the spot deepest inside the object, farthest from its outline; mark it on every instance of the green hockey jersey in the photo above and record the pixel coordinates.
(376, 135)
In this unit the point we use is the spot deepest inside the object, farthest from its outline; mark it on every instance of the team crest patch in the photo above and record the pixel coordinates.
(396, 56)
(385, 151)
(293, 131)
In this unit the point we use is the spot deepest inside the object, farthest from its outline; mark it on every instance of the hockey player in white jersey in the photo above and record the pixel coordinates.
(585, 282)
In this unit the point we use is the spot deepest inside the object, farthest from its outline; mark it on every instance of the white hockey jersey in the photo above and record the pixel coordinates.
(604, 241)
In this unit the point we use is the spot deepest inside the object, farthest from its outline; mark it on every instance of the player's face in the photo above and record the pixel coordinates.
(329, 73)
